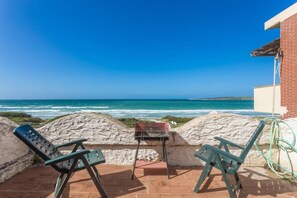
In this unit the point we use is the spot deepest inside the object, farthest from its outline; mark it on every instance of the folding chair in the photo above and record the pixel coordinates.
(224, 160)
(64, 164)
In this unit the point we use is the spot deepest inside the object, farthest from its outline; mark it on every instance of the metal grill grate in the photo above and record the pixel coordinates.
(151, 131)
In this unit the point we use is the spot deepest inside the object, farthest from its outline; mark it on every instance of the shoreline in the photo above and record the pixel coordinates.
(174, 121)
(140, 109)
(146, 114)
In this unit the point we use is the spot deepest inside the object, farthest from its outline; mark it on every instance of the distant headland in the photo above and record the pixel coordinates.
(224, 98)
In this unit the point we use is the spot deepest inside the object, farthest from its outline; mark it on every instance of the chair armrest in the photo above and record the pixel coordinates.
(223, 153)
(66, 157)
(79, 141)
(224, 141)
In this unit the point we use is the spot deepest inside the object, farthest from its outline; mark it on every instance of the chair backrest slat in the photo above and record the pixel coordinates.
(40, 145)
(252, 139)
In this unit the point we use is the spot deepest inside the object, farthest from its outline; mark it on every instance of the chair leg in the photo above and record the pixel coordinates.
(58, 182)
(210, 169)
(237, 180)
(94, 178)
(165, 157)
(62, 185)
(231, 193)
(96, 172)
(203, 174)
(97, 175)
(135, 159)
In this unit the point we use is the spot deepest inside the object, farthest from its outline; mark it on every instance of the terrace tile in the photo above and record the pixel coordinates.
(39, 181)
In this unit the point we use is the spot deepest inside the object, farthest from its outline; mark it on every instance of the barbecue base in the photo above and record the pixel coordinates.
(164, 152)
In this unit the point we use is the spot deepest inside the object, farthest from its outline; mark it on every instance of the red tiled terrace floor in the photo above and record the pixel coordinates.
(39, 182)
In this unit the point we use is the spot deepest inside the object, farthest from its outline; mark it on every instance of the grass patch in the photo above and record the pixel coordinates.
(14, 114)
(36, 159)
(130, 122)
(175, 121)
(22, 118)
(172, 120)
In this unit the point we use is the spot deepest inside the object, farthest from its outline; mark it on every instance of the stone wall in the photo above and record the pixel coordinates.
(15, 155)
(118, 144)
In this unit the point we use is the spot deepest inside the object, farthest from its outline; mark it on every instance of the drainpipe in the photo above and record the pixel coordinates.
(274, 81)
(276, 69)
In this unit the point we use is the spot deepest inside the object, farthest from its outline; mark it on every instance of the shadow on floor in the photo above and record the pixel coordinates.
(120, 183)
(116, 180)
(153, 168)
(254, 184)
(259, 184)
(114, 184)
(35, 181)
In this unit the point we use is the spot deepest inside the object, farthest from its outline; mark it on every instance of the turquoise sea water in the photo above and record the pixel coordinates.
(147, 109)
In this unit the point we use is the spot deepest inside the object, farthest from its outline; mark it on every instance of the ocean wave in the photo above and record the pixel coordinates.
(54, 107)
(168, 111)
(152, 114)
(35, 110)
(14, 107)
(24, 107)
(81, 107)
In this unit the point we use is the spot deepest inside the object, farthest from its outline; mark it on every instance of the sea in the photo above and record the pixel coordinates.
(143, 109)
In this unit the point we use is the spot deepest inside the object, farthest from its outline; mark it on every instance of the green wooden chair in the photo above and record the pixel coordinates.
(224, 160)
(64, 164)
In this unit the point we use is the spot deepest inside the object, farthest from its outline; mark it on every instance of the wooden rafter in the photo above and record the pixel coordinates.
(270, 49)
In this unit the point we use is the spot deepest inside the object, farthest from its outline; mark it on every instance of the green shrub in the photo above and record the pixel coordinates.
(15, 114)
(22, 118)
(130, 122)
(175, 121)
(36, 159)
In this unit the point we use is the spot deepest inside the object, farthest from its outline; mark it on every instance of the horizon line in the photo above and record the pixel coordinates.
(210, 98)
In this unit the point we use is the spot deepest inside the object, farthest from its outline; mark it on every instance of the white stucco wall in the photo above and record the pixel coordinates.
(263, 99)
(118, 144)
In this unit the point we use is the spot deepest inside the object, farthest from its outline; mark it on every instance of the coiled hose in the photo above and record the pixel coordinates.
(277, 140)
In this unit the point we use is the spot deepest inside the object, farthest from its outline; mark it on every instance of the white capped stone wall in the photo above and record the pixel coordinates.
(118, 144)
(15, 155)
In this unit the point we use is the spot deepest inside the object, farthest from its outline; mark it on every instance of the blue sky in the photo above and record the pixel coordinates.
(134, 49)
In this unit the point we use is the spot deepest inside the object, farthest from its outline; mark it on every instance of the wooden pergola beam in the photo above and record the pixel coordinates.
(270, 49)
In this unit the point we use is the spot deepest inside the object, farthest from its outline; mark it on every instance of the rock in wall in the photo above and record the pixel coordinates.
(235, 128)
(15, 155)
(98, 129)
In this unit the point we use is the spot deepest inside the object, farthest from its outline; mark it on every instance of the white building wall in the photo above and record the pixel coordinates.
(263, 99)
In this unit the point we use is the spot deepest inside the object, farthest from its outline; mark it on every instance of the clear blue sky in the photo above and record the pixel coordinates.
(134, 49)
